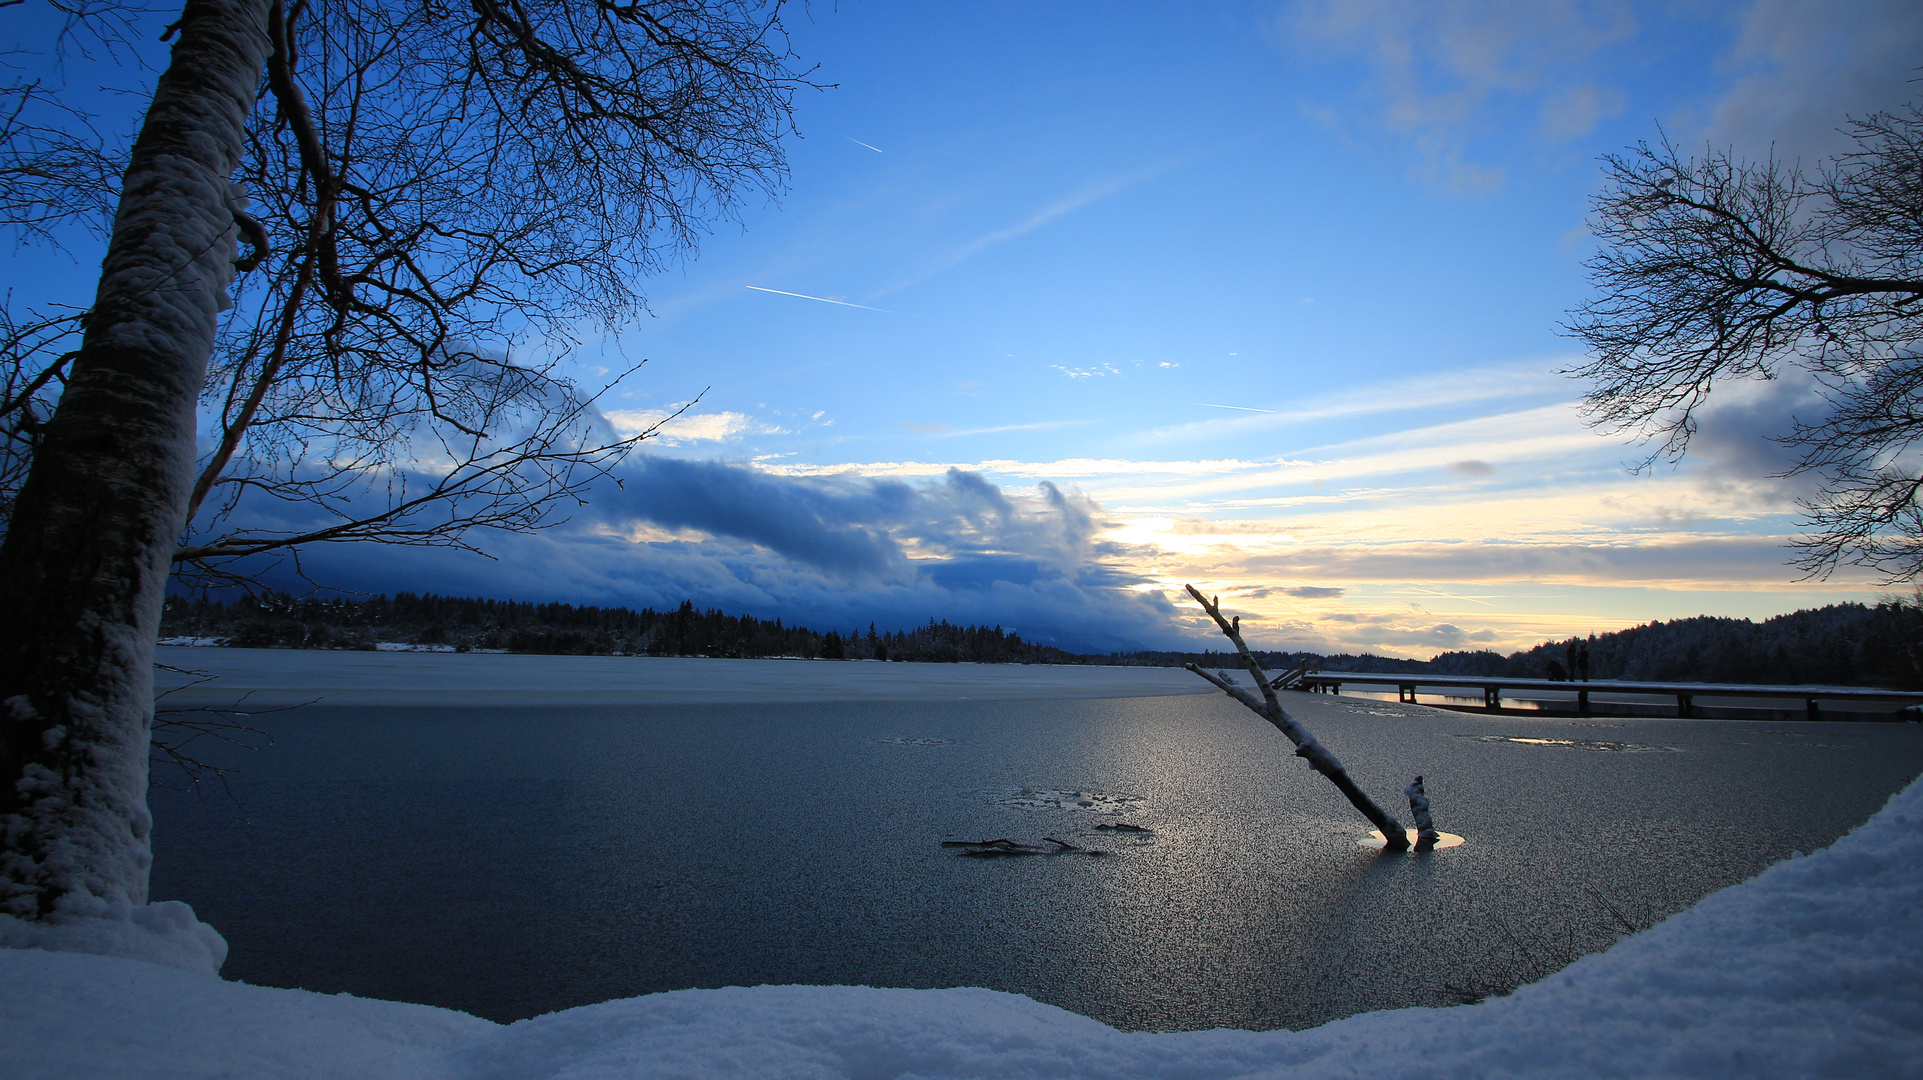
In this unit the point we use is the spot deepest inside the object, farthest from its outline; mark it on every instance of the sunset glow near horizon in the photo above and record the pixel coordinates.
(1069, 305)
(1363, 220)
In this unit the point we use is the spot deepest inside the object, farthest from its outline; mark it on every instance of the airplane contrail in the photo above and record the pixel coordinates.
(823, 299)
(1244, 408)
(1453, 596)
(858, 142)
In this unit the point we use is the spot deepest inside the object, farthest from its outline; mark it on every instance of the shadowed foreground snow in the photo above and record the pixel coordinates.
(1812, 969)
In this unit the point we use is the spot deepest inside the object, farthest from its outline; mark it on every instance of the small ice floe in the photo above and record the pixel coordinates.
(1577, 744)
(1117, 826)
(989, 849)
(920, 742)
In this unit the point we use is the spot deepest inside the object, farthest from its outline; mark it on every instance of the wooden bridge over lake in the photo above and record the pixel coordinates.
(1689, 697)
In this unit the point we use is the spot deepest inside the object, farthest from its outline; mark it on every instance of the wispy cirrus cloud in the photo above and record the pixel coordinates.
(1043, 425)
(1058, 469)
(1531, 433)
(1086, 195)
(1492, 383)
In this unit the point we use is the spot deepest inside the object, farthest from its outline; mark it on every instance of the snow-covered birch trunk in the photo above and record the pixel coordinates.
(84, 567)
(1306, 747)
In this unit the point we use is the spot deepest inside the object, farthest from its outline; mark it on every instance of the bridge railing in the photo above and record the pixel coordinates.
(1685, 694)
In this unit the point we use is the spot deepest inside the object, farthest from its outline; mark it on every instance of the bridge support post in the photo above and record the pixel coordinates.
(1492, 697)
(1813, 711)
(1685, 705)
(1582, 702)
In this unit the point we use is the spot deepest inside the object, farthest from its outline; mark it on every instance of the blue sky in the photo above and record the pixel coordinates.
(1259, 296)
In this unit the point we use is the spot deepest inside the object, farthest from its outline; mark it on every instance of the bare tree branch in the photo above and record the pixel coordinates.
(176, 730)
(445, 186)
(34, 359)
(1713, 268)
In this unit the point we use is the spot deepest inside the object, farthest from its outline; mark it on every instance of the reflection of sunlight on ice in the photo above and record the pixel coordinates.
(1575, 744)
(1443, 840)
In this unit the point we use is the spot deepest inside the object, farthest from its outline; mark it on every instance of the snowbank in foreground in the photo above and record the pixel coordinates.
(1812, 969)
(165, 933)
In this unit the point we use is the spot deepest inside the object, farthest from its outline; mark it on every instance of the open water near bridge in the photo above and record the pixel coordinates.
(510, 861)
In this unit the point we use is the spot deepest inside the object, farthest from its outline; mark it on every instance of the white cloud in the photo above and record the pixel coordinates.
(1098, 371)
(688, 427)
(1440, 71)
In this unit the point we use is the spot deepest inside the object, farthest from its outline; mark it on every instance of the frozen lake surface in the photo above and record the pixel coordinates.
(514, 858)
(292, 676)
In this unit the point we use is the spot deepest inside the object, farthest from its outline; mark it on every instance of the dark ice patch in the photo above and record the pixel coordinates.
(1094, 802)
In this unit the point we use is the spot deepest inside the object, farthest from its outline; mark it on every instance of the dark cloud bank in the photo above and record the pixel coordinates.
(826, 552)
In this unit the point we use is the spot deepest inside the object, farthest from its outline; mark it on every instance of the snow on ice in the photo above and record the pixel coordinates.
(1812, 969)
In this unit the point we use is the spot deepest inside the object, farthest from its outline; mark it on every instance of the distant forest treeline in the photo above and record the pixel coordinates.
(1837, 645)
(278, 621)
(1842, 644)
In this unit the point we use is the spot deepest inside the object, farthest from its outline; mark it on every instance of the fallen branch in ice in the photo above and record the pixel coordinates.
(1270, 709)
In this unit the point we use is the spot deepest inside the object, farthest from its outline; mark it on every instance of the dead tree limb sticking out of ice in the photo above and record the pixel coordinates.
(1270, 709)
(1419, 809)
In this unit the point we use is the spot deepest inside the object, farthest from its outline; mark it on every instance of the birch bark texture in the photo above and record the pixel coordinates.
(84, 566)
(1306, 747)
(1426, 835)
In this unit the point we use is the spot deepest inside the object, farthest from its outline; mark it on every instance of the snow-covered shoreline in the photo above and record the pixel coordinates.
(1812, 969)
(278, 677)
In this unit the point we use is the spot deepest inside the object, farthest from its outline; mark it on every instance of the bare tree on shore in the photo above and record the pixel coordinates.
(1714, 268)
(425, 185)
